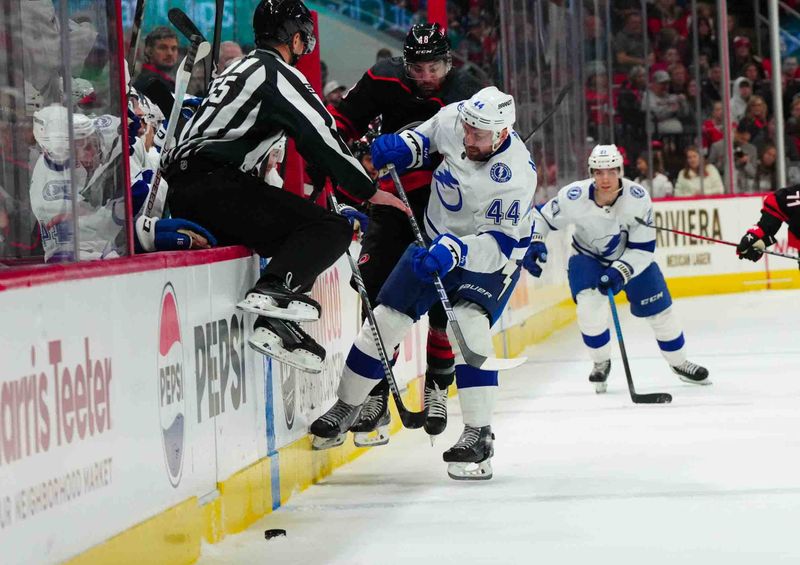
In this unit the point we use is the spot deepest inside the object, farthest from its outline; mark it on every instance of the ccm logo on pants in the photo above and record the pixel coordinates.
(652, 299)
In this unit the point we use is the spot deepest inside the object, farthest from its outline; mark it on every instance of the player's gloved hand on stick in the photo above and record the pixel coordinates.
(391, 149)
(445, 253)
(536, 254)
(172, 234)
(753, 244)
(611, 279)
(359, 220)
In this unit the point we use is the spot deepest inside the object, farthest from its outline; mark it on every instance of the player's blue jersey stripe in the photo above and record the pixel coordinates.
(506, 242)
(649, 246)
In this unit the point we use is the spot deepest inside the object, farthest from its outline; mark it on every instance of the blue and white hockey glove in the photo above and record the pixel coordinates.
(134, 123)
(359, 220)
(614, 278)
(446, 253)
(404, 150)
(536, 253)
(171, 234)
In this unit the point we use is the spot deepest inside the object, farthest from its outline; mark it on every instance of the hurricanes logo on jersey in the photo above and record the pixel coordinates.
(446, 186)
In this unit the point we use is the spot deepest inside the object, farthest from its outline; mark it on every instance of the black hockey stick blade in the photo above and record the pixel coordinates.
(652, 398)
(184, 23)
(556, 104)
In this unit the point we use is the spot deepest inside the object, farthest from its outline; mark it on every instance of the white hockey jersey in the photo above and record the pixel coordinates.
(486, 204)
(607, 233)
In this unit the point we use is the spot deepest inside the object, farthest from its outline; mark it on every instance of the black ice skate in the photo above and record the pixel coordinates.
(470, 458)
(599, 376)
(274, 299)
(330, 429)
(372, 426)
(691, 373)
(435, 409)
(286, 342)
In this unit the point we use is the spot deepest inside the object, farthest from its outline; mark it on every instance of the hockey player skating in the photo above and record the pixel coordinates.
(216, 167)
(780, 206)
(402, 90)
(609, 241)
(477, 221)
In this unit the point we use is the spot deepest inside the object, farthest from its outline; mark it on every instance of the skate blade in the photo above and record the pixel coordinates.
(308, 364)
(704, 382)
(470, 471)
(600, 388)
(433, 440)
(263, 306)
(322, 443)
(378, 436)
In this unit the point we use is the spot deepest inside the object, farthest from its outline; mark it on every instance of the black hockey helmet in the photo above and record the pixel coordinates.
(276, 21)
(426, 42)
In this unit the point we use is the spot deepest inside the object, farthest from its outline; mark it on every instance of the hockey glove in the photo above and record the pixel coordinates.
(753, 244)
(614, 278)
(446, 253)
(536, 253)
(404, 150)
(134, 124)
(359, 220)
(172, 234)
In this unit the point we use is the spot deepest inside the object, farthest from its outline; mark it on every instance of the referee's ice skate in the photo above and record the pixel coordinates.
(470, 459)
(372, 426)
(273, 298)
(330, 429)
(286, 342)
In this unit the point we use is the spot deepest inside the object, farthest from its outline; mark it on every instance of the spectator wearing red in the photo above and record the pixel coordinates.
(742, 55)
(713, 127)
(666, 14)
(756, 121)
(597, 98)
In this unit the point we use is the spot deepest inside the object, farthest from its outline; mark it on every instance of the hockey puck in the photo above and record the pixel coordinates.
(269, 534)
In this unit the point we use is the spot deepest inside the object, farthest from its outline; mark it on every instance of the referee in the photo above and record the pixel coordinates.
(214, 175)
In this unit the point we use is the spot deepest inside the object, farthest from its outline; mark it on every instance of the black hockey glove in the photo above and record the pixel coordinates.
(753, 244)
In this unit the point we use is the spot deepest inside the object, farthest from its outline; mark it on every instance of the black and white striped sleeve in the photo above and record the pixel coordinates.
(301, 113)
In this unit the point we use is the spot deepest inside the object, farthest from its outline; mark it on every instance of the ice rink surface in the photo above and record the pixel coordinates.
(713, 478)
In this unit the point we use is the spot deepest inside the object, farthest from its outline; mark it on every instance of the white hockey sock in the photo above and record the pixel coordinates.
(363, 368)
(475, 326)
(477, 405)
(667, 330)
(593, 322)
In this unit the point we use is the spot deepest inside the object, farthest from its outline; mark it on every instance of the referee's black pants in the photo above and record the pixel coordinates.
(300, 237)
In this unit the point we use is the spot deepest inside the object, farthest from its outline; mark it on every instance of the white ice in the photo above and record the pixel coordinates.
(713, 478)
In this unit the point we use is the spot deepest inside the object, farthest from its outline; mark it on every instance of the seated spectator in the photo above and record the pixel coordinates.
(713, 127)
(793, 132)
(689, 179)
(742, 55)
(666, 109)
(629, 44)
(229, 52)
(740, 95)
(766, 179)
(679, 79)
(667, 15)
(756, 121)
(333, 92)
(670, 56)
(791, 83)
(711, 88)
(594, 39)
(690, 119)
(630, 117)
(707, 38)
(597, 98)
(745, 156)
(661, 187)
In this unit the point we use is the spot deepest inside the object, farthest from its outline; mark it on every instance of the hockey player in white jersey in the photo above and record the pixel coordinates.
(478, 225)
(609, 241)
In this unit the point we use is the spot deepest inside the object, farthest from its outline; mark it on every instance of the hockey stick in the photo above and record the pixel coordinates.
(218, 13)
(652, 398)
(711, 239)
(552, 111)
(198, 50)
(411, 420)
(470, 357)
(135, 32)
(187, 27)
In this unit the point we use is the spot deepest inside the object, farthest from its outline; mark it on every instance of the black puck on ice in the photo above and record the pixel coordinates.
(269, 534)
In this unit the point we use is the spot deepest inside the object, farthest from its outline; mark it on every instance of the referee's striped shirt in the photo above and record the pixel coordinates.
(250, 106)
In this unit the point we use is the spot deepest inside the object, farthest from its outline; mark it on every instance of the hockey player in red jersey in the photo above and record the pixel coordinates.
(404, 90)
(781, 206)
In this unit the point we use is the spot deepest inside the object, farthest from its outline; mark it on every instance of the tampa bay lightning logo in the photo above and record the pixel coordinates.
(608, 244)
(101, 122)
(574, 193)
(446, 185)
(56, 190)
(555, 209)
(637, 191)
(500, 172)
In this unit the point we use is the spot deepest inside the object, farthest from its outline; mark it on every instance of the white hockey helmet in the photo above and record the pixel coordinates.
(50, 129)
(489, 109)
(606, 157)
(83, 92)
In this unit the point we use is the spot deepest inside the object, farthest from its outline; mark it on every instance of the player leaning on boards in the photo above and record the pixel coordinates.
(401, 90)
(214, 175)
(477, 223)
(609, 241)
(780, 206)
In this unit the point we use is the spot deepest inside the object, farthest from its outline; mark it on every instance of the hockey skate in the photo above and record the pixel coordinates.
(691, 373)
(599, 376)
(372, 426)
(274, 299)
(330, 429)
(470, 459)
(435, 409)
(287, 343)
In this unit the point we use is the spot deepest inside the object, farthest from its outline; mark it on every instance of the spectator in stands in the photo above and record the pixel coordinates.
(383, 54)
(597, 98)
(793, 132)
(629, 107)
(661, 187)
(229, 51)
(712, 127)
(745, 157)
(756, 121)
(629, 44)
(679, 79)
(160, 59)
(712, 85)
(742, 56)
(791, 83)
(689, 179)
(665, 14)
(665, 109)
(740, 95)
(766, 179)
(689, 119)
(594, 39)
(670, 56)
(706, 38)
(333, 92)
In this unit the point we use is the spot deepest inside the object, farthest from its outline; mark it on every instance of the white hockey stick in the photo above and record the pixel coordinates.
(470, 357)
(198, 50)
